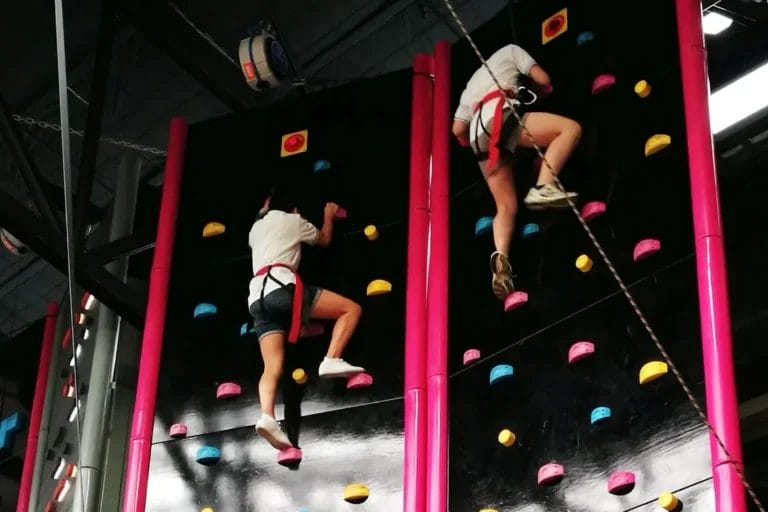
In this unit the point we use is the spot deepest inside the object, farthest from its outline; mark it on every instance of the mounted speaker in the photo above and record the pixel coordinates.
(263, 61)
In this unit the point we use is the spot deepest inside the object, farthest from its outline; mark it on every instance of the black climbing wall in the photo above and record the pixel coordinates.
(654, 431)
(346, 436)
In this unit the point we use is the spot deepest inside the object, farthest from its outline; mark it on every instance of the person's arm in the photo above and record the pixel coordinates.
(461, 119)
(326, 232)
(529, 67)
(541, 78)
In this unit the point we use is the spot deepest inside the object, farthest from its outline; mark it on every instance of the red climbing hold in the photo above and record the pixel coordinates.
(228, 390)
(359, 380)
(514, 300)
(341, 213)
(645, 248)
(593, 210)
(471, 355)
(602, 83)
(621, 482)
(289, 457)
(580, 350)
(178, 430)
(550, 474)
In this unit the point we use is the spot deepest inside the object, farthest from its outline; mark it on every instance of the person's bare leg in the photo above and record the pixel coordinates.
(558, 134)
(501, 183)
(332, 306)
(272, 352)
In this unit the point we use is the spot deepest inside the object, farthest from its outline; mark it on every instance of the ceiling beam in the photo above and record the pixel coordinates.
(122, 247)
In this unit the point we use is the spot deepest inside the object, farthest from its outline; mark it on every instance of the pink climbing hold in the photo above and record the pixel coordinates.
(593, 210)
(551, 473)
(359, 380)
(312, 329)
(602, 83)
(645, 248)
(580, 350)
(178, 430)
(228, 390)
(289, 456)
(621, 482)
(514, 300)
(471, 355)
(341, 213)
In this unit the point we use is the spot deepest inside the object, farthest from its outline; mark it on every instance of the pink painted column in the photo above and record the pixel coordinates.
(437, 291)
(415, 398)
(720, 383)
(38, 401)
(140, 440)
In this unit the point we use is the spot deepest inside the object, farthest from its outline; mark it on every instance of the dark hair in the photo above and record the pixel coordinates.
(283, 198)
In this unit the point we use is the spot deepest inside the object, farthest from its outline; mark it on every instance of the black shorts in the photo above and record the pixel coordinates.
(272, 314)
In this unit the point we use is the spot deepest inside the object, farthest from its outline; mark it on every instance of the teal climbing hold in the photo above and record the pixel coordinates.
(204, 310)
(483, 225)
(600, 414)
(530, 229)
(584, 38)
(501, 372)
(208, 455)
(322, 165)
(246, 328)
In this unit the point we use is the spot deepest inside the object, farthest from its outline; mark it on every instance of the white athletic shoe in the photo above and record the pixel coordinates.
(548, 196)
(332, 368)
(270, 430)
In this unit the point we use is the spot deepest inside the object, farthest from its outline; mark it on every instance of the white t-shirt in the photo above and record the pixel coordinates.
(508, 63)
(277, 238)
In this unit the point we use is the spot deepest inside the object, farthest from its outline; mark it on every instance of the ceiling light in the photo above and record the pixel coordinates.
(714, 23)
(739, 99)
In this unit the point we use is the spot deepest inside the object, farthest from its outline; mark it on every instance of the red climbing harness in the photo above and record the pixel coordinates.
(298, 298)
(494, 152)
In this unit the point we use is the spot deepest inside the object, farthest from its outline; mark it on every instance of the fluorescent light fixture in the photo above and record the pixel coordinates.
(73, 413)
(59, 469)
(86, 334)
(714, 23)
(78, 351)
(739, 99)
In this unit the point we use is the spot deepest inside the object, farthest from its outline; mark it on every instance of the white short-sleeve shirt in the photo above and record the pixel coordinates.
(508, 63)
(277, 238)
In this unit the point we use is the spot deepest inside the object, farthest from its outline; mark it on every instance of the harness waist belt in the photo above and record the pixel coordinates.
(298, 297)
(494, 152)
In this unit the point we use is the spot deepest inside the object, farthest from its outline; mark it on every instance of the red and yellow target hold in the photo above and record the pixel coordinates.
(554, 26)
(294, 143)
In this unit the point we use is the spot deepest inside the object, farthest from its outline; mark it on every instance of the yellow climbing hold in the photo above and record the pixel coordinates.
(507, 437)
(299, 375)
(584, 263)
(371, 232)
(652, 371)
(213, 229)
(489, 510)
(356, 493)
(668, 501)
(643, 89)
(656, 143)
(378, 287)
(207, 509)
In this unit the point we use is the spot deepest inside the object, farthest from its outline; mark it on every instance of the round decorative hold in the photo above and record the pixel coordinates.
(178, 430)
(371, 232)
(551, 474)
(668, 501)
(289, 456)
(580, 350)
(656, 143)
(204, 310)
(593, 210)
(602, 83)
(483, 225)
(584, 38)
(299, 376)
(515, 300)
(507, 437)
(621, 482)
(208, 455)
(471, 355)
(356, 493)
(322, 165)
(359, 380)
(378, 287)
(213, 229)
(500, 373)
(652, 371)
(643, 89)
(599, 414)
(645, 248)
(341, 213)
(294, 142)
(584, 263)
(228, 390)
(530, 229)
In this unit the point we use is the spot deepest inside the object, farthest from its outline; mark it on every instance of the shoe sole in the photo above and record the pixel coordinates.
(277, 445)
(499, 283)
(557, 203)
(339, 375)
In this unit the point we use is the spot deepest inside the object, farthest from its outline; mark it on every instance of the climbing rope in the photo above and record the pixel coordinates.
(694, 402)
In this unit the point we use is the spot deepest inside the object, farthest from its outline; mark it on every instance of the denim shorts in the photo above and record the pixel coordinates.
(272, 314)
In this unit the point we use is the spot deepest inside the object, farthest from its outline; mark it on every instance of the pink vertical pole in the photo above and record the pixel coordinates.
(437, 291)
(38, 401)
(720, 383)
(140, 440)
(415, 406)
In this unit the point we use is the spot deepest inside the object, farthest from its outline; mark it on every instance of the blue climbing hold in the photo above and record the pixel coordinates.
(208, 455)
(322, 165)
(600, 414)
(584, 38)
(501, 372)
(483, 225)
(246, 328)
(530, 229)
(204, 309)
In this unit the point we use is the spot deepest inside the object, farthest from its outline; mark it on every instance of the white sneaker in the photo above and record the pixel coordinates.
(548, 196)
(332, 368)
(270, 430)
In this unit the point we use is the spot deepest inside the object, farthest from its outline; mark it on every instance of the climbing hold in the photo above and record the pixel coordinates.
(584, 263)
(289, 456)
(501, 373)
(602, 83)
(599, 414)
(471, 355)
(246, 328)
(489, 510)
(668, 501)
(341, 213)
(207, 509)
(645, 248)
(584, 38)
(294, 143)
(359, 380)
(643, 89)
(204, 310)
(580, 350)
(593, 210)
(312, 329)
(228, 390)
(371, 232)
(652, 371)
(322, 165)
(208, 455)
(507, 437)
(213, 229)
(355, 493)
(178, 430)
(530, 229)
(554, 26)
(514, 300)
(483, 225)
(299, 375)
(550, 474)
(621, 482)
(378, 287)
(656, 143)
